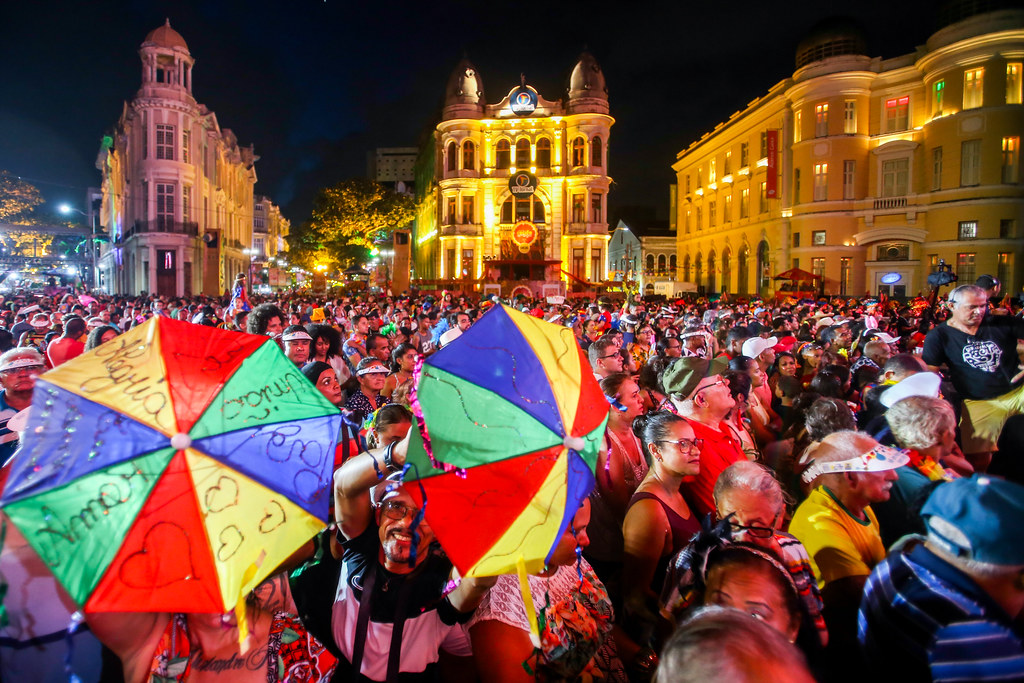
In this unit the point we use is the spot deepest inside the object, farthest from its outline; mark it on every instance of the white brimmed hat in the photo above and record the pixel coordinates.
(919, 384)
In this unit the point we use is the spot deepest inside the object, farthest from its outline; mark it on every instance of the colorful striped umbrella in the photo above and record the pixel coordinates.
(510, 422)
(172, 468)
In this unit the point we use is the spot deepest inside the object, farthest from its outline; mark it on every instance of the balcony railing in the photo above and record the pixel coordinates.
(158, 225)
(890, 203)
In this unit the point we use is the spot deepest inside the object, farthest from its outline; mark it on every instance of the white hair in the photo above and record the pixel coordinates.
(955, 295)
(919, 422)
(750, 476)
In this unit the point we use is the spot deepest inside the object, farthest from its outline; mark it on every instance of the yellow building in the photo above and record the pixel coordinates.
(177, 188)
(554, 155)
(884, 167)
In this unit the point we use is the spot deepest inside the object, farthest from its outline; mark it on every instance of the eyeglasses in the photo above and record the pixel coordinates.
(755, 531)
(397, 510)
(610, 355)
(30, 370)
(687, 445)
(713, 384)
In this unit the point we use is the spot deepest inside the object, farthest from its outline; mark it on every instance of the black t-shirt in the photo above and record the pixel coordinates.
(981, 365)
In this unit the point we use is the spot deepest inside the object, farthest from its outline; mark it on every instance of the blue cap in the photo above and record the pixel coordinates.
(978, 519)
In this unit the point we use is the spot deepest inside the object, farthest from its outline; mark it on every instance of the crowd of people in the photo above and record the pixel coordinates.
(788, 490)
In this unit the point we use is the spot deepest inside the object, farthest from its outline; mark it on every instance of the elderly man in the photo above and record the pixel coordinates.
(296, 344)
(605, 358)
(981, 353)
(19, 368)
(701, 395)
(850, 471)
(391, 615)
(950, 607)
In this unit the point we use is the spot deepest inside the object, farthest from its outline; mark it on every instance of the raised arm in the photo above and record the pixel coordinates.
(353, 481)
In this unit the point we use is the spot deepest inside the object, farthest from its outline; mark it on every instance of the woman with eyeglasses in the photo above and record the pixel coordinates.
(658, 521)
(749, 496)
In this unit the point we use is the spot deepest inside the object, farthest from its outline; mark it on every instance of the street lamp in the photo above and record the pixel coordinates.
(65, 209)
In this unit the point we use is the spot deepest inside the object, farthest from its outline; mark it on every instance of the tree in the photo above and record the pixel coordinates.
(17, 198)
(347, 219)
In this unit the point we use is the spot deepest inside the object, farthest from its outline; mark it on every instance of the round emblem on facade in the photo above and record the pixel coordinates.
(890, 278)
(524, 234)
(523, 101)
(522, 183)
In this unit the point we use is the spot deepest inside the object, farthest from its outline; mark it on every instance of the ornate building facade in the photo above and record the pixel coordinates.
(517, 190)
(884, 167)
(177, 188)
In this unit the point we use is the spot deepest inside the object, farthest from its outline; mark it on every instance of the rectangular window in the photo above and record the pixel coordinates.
(1007, 228)
(970, 163)
(797, 133)
(818, 238)
(933, 262)
(186, 146)
(700, 218)
(687, 183)
(897, 114)
(450, 210)
(577, 262)
(936, 169)
(820, 182)
(597, 215)
(700, 178)
(711, 214)
(967, 230)
(186, 203)
(849, 170)
(449, 269)
(796, 239)
(965, 268)
(595, 265)
(821, 120)
(796, 186)
(164, 141)
(579, 209)
(467, 263)
(1011, 159)
(818, 267)
(745, 202)
(844, 275)
(796, 263)
(938, 90)
(145, 141)
(1004, 268)
(686, 223)
(974, 80)
(850, 117)
(1013, 83)
(895, 177)
(712, 176)
(164, 205)
(727, 169)
(762, 198)
(468, 209)
(744, 154)
(764, 145)
(727, 209)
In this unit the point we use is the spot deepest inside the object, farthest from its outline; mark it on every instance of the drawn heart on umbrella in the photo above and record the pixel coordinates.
(273, 517)
(164, 558)
(230, 540)
(221, 496)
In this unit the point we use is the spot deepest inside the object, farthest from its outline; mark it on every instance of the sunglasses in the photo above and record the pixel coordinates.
(755, 531)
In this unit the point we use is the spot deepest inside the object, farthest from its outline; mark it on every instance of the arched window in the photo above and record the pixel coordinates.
(672, 263)
(596, 152)
(577, 152)
(468, 155)
(698, 270)
(507, 211)
(686, 268)
(538, 210)
(543, 153)
(726, 271)
(742, 280)
(650, 263)
(503, 154)
(522, 153)
(453, 160)
(711, 273)
(661, 264)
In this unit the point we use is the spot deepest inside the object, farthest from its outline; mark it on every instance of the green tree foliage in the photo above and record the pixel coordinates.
(347, 219)
(17, 199)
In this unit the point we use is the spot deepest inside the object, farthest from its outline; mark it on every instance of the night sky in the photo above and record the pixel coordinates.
(316, 84)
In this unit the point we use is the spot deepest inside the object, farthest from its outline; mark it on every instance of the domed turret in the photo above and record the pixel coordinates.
(587, 89)
(165, 36)
(831, 38)
(464, 96)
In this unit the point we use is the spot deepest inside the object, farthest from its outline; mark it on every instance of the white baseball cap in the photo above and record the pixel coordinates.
(755, 346)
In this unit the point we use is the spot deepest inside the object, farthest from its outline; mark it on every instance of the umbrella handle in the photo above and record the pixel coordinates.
(531, 610)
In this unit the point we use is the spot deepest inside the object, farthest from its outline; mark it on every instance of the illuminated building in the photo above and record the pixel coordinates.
(269, 229)
(644, 252)
(884, 166)
(471, 226)
(177, 188)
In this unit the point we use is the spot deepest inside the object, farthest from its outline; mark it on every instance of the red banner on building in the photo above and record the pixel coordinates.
(771, 185)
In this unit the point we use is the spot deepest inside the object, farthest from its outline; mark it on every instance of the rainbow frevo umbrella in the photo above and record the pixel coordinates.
(172, 469)
(511, 420)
